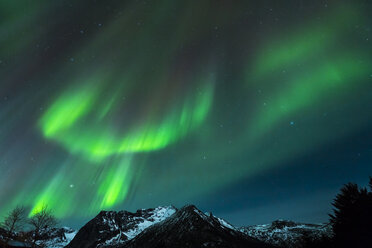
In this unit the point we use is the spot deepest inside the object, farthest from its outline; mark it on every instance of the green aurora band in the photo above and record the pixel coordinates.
(326, 71)
(309, 42)
(61, 123)
(306, 90)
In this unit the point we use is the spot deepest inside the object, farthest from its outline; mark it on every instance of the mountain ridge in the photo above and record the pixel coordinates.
(117, 227)
(190, 227)
(186, 227)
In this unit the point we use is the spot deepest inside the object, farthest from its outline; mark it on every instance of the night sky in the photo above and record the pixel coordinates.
(254, 110)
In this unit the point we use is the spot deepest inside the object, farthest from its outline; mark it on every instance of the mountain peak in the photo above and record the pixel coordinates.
(112, 227)
(190, 211)
(190, 227)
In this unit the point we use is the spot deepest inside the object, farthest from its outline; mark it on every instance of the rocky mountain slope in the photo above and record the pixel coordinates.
(290, 234)
(191, 228)
(115, 228)
(57, 237)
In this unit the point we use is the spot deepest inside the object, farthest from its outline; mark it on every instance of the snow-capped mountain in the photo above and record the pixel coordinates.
(161, 227)
(191, 228)
(113, 228)
(290, 234)
(187, 227)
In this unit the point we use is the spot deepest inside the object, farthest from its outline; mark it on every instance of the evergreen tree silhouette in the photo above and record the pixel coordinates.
(352, 217)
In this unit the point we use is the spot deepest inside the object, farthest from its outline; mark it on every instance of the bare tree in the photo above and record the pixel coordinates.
(42, 222)
(14, 221)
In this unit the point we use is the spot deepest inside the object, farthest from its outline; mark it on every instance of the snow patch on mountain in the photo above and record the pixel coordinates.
(126, 226)
(225, 224)
(157, 215)
(59, 238)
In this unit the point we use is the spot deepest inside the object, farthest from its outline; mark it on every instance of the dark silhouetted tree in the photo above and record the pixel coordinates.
(14, 222)
(352, 216)
(42, 222)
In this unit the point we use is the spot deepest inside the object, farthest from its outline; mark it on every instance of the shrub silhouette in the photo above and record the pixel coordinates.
(352, 216)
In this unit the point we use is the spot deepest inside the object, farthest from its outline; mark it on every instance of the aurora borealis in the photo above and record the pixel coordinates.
(252, 109)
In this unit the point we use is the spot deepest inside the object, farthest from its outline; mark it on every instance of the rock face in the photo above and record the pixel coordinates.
(189, 227)
(291, 234)
(110, 228)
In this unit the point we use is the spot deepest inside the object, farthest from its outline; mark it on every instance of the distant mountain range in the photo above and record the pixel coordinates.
(290, 234)
(187, 227)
